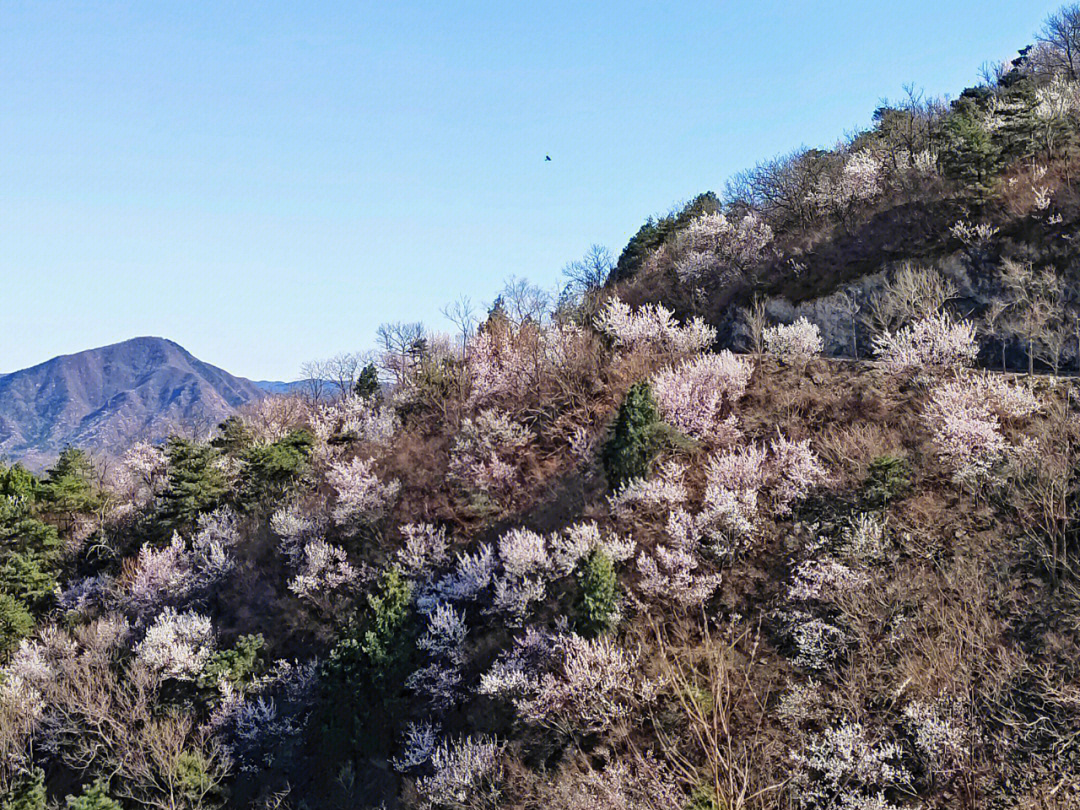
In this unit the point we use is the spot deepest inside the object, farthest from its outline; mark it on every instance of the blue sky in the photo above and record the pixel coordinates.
(266, 182)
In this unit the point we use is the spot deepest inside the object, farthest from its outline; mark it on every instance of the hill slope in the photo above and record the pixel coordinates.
(106, 398)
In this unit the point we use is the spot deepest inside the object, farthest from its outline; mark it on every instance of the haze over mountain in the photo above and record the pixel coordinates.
(103, 399)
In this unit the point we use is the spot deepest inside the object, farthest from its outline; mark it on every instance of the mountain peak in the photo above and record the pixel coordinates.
(104, 398)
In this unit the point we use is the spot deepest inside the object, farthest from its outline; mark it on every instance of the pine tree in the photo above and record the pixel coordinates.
(599, 592)
(635, 437)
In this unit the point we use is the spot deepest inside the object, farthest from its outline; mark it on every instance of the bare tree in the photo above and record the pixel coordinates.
(588, 274)
(850, 306)
(402, 345)
(996, 324)
(1035, 309)
(756, 321)
(462, 313)
(343, 370)
(314, 376)
(782, 188)
(912, 292)
(1061, 35)
(522, 300)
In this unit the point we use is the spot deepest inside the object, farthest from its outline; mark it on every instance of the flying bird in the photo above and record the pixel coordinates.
(547, 158)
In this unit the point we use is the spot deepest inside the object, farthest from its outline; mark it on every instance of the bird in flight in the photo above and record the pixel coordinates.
(547, 158)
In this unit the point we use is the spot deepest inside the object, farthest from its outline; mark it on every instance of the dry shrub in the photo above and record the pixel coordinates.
(847, 450)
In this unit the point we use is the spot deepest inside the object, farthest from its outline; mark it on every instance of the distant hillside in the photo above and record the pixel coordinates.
(104, 399)
(274, 387)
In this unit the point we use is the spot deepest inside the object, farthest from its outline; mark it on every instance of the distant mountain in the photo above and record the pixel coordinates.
(104, 399)
(272, 387)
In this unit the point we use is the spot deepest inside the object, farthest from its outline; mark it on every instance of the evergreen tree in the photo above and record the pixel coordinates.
(367, 384)
(94, 797)
(28, 792)
(196, 484)
(635, 438)
(363, 679)
(599, 592)
(16, 623)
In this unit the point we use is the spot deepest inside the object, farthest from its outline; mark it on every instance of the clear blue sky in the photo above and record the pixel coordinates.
(266, 182)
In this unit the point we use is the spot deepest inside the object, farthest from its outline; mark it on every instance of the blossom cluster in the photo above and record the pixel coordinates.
(256, 721)
(965, 415)
(736, 479)
(361, 496)
(354, 418)
(141, 474)
(696, 396)
(861, 178)
(664, 489)
(712, 240)
(651, 328)
(845, 760)
(483, 455)
(439, 681)
(177, 645)
(174, 572)
(465, 773)
(670, 571)
(935, 342)
(793, 344)
(518, 572)
(507, 361)
(564, 681)
(324, 575)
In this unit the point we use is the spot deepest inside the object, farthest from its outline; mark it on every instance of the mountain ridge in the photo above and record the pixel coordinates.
(104, 398)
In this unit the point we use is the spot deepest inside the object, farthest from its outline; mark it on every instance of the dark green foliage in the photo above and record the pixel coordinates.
(656, 232)
(69, 485)
(271, 469)
(30, 577)
(94, 797)
(636, 437)
(363, 679)
(234, 437)
(969, 154)
(599, 593)
(16, 623)
(28, 792)
(18, 482)
(239, 666)
(390, 612)
(196, 484)
(889, 477)
(367, 384)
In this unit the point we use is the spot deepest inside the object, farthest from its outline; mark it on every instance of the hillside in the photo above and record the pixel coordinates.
(778, 511)
(105, 399)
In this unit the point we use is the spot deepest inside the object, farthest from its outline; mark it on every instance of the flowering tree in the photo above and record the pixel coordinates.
(859, 180)
(651, 328)
(361, 496)
(665, 489)
(785, 471)
(325, 575)
(142, 474)
(936, 342)
(354, 418)
(465, 773)
(697, 395)
(713, 241)
(964, 416)
(793, 344)
(483, 454)
(177, 645)
(669, 573)
(565, 682)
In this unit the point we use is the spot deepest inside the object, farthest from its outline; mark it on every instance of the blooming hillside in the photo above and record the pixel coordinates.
(604, 553)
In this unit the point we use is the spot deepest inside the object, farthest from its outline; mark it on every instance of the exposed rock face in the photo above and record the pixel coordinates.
(104, 399)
